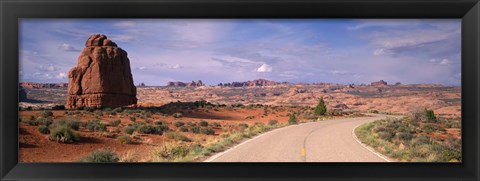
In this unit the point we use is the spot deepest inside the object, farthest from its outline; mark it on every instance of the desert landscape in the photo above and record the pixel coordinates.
(184, 98)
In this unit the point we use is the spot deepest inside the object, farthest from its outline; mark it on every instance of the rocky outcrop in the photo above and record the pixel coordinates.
(141, 85)
(378, 83)
(34, 85)
(258, 82)
(102, 76)
(22, 94)
(197, 83)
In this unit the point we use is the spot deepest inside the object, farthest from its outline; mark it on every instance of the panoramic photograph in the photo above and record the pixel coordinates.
(240, 90)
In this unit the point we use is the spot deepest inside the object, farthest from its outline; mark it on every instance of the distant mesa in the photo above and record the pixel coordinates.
(197, 83)
(378, 83)
(102, 76)
(258, 82)
(141, 85)
(34, 85)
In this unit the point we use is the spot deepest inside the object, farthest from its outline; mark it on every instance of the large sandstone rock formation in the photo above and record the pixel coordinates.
(102, 76)
(22, 94)
(258, 82)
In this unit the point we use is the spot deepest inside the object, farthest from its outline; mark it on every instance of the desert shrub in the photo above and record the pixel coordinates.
(101, 156)
(183, 129)
(373, 111)
(430, 127)
(147, 129)
(200, 103)
(32, 117)
(162, 128)
(44, 121)
(128, 111)
(177, 136)
(207, 131)
(195, 129)
(430, 115)
(177, 115)
(63, 134)
(58, 107)
(133, 119)
(125, 139)
(321, 108)
(47, 114)
(129, 129)
(449, 154)
(421, 140)
(20, 119)
(216, 125)
(99, 112)
(272, 122)
(243, 126)
(114, 122)
(43, 129)
(96, 126)
(250, 117)
(172, 151)
(292, 119)
(117, 110)
(74, 124)
(191, 124)
(161, 122)
(89, 109)
(203, 123)
(179, 123)
(107, 109)
(385, 135)
(404, 136)
(32, 122)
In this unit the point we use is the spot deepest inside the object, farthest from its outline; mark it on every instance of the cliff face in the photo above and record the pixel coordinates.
(102, 76)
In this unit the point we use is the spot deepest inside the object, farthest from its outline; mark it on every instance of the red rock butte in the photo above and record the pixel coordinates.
(102, 77)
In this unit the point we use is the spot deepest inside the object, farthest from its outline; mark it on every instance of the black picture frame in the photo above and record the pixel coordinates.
(12, 11)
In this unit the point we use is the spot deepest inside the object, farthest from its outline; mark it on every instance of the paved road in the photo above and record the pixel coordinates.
(324, 141)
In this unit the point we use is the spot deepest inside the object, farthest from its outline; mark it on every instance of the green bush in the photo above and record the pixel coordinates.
(161, 122)
(183, 129)
(243, 126)
(32, 122)
(177, 136)
(133, 119)
(385, 135)
(96, 126)
(179, 123)
(162, 128)
(430, 115)
(216, 125)
(200, 103)
(292, 119)
(207, 131)
(172, 151)
(321, 108)
(147, 129)
(114, 122)
(203, 123)
(404, 136)
(101, 156)
(177, 115)
(44, 121)
(130, 129)
(118, 110)
(272, 122)
(32, 117)
(430, 127)
(20, 119)
(47, 114)
(64, 134)
(43, 129)
(195, 129)
(191, 124)
(373, 111)
(125, 139)
(89, 109)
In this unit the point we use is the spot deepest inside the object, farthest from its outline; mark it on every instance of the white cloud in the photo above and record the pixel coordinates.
(265, 68)
(176, 66)
(68, 48)
(444, 62)
(61, 75)
(379, 52)
(48, 67)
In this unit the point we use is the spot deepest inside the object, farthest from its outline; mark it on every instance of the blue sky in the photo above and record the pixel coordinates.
(315, 50)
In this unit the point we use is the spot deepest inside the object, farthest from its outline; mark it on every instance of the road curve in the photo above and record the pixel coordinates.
(324, 141)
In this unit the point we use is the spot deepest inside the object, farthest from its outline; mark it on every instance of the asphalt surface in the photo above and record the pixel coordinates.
(324, 141)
